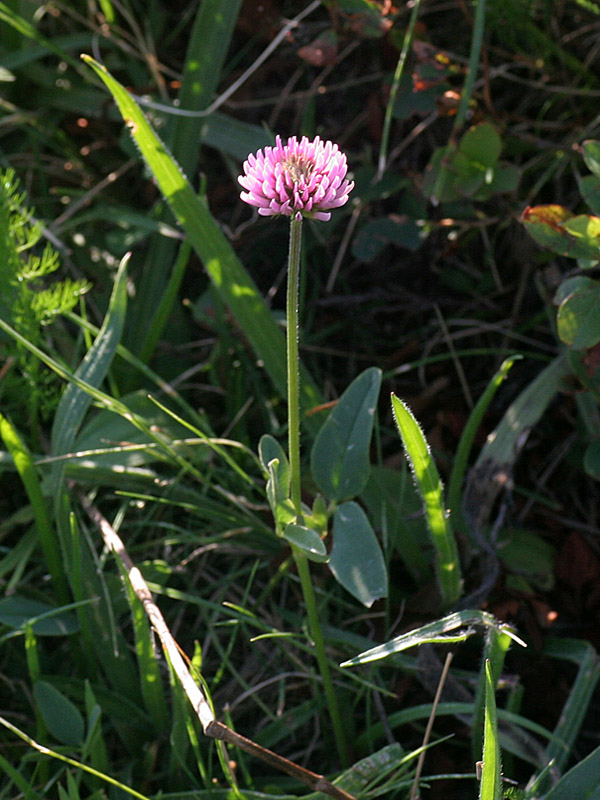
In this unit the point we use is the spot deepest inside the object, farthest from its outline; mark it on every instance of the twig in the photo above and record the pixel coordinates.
(210, 725)
(414, 792)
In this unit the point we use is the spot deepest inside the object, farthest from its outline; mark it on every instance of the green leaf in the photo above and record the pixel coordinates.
(581, 781)
(402, 231)
(45, 620)
(578, 318)
(306, 540)
(482, 145)
(45, 529)
(429, 485)
(339, 459)
(557, 229)
(394, 507)
(526, 554)
(269, 449)
(490, 787)
(591, 156)
(75, 401)
(466, 441)
(236, 287)
(61, 717)
(455, 627)
(577, 704)
(589, 187)
(276, 466)
(356, 560)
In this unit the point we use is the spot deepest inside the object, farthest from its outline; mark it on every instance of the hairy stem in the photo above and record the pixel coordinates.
(293, 384)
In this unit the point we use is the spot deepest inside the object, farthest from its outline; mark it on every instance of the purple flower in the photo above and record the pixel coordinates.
(298, 179)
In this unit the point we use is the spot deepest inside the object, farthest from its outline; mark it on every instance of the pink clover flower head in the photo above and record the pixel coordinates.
(297, 179)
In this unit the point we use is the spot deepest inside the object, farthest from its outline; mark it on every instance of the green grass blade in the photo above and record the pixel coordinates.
(205, 57)
(581, 781)
(567, 729)
(474, 61)
(429, 485)
(207, 49)
(46, 533)
(151, 684)
(235, 286)
(490, 787)
(454, 627)
(466, 442)
(495, 648)
(75, 402)
(70, 761)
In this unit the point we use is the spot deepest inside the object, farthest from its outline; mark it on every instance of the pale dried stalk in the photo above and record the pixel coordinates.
(210, 725)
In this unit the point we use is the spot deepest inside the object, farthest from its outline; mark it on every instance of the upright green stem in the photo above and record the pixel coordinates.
(293, 385)
(293, 370)
(316, 633)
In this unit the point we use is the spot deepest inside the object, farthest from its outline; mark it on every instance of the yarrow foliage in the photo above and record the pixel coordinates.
(299, 179)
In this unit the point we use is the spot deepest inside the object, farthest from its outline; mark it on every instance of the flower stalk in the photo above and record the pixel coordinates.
(300, 179)
(293, 381)
(293, 366)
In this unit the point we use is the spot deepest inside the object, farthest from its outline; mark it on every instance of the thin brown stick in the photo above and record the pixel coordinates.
(414, 792)
(210, 725)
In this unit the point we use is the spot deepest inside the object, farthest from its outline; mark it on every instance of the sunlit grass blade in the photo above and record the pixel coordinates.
(231, 280)
(46, 533)
(466, 442)
(495, 648)
(490, 787)
(70, 761)
(429, 485)
(454, 627)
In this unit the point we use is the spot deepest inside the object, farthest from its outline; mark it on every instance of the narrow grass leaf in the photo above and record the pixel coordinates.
(503, 445)
(71, 761)
(442, 630)
(209, 41)
(466, 441)
(573, 713)
(235, 286)
(96, 362)
(46, 533)
(339, 458)
(496, 644)
(490, 787)
(151, 685)
(429, 485)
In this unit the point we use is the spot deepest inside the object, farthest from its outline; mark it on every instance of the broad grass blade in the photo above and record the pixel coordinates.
(429, 485)
(581, 781)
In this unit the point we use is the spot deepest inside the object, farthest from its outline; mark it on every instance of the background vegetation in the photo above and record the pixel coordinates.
(139, 386)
